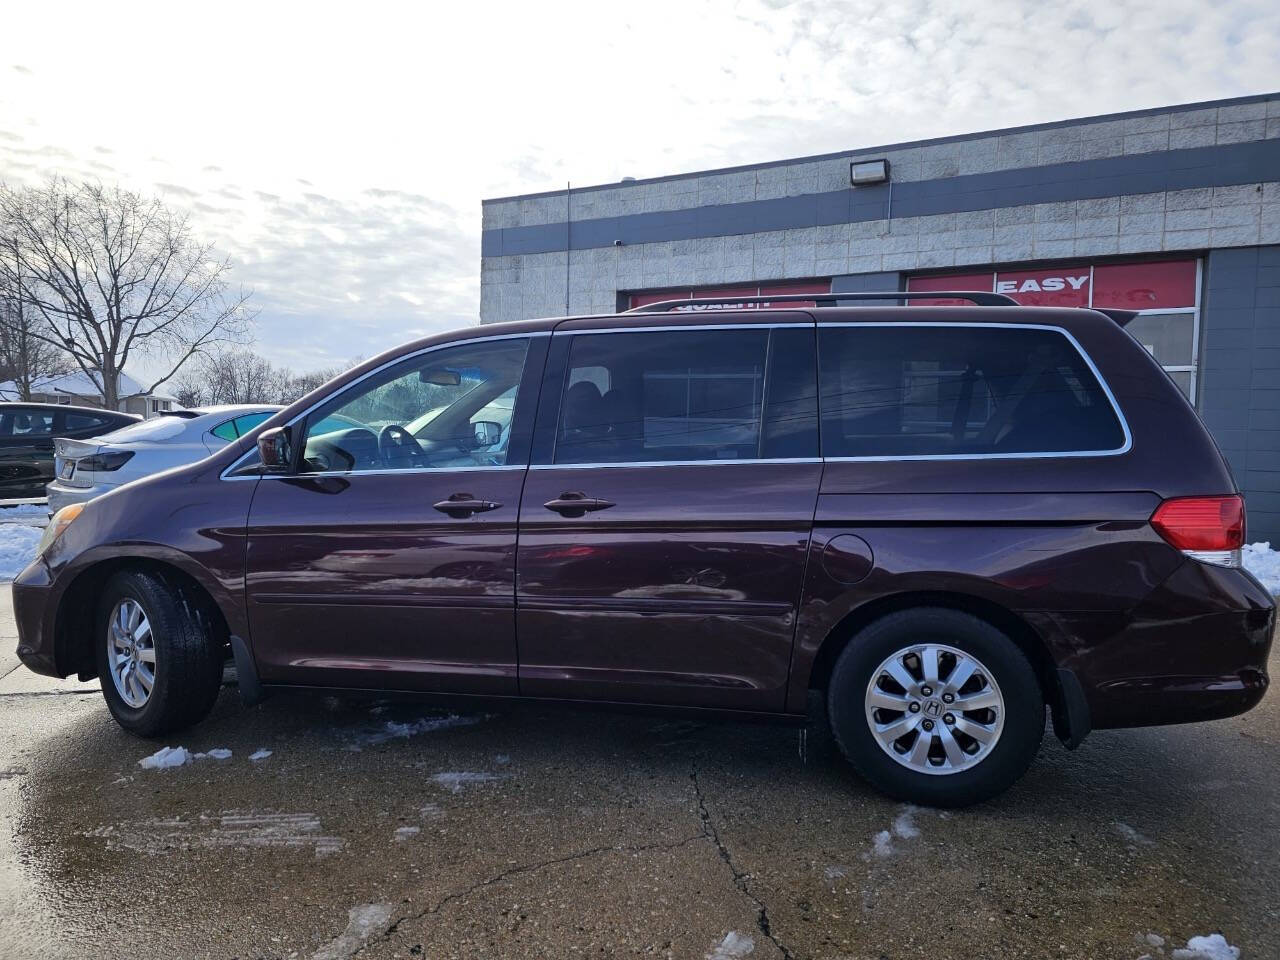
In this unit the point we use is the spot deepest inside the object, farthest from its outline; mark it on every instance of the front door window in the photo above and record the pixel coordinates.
(448, 408)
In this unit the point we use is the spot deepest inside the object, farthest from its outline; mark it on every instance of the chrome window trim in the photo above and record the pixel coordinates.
(671, 463)
(360, 379)
(1029, 455)
(381, 472)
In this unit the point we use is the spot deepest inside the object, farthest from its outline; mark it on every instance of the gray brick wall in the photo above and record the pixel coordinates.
(1240, 375)
(1146, 221)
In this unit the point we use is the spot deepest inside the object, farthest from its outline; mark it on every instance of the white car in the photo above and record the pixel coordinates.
(84, 469)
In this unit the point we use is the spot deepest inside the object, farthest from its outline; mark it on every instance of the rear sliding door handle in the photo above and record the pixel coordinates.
(573, 503)
(462, 505)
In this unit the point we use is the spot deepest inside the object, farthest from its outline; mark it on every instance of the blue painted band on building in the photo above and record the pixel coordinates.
(1216, 166)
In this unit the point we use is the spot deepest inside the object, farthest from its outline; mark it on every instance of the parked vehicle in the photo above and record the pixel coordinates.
(85, 469)
(940, 518)
(27, 432)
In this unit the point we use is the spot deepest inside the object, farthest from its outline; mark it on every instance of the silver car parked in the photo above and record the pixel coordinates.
(84, 469)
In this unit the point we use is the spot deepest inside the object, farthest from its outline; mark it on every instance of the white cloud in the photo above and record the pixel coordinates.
(340, 153)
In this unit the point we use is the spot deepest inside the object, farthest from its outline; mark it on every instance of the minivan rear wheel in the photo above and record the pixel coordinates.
(158, 663)
(936, 707)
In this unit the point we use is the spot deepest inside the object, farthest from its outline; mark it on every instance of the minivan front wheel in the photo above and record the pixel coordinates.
(159, 666)
(936, 706)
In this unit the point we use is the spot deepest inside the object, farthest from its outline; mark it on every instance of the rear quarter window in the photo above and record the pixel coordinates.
(951, 390)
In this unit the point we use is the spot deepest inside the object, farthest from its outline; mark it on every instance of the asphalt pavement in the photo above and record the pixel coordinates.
(389, 829)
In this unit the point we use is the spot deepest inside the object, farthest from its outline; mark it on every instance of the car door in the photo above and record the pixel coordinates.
(26, 450)
(387, 559)
(666, 517)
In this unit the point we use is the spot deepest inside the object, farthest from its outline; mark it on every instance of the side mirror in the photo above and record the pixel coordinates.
(487, 432)
(275, 449)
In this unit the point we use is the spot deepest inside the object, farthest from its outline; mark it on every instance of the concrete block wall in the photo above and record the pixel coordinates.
(1240, 375)
(722, 227)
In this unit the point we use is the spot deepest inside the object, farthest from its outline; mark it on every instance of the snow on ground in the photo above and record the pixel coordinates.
(24, 512)
(363, 922)
(391, 730)
(260, 754)
(1263, 563)
(733, 946)
(166, 757)
(456, 780)
(17, 547)
(904, 828)
(1212, 947)
(405, 833)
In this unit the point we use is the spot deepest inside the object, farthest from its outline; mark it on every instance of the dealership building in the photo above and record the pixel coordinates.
(1173, 211)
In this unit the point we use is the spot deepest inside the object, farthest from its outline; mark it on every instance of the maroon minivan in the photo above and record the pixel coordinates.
(942, 518)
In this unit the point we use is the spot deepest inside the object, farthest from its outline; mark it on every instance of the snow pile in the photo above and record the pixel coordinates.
(17, 548)
(166, 757)
(26, 511)
(733, 945)
(260, 754)
(1212, 947)
(1263, 563)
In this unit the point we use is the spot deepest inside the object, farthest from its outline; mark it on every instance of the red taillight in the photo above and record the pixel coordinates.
(1201, 523)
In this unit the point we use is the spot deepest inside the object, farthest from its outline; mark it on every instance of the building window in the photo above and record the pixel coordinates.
(1167, 292)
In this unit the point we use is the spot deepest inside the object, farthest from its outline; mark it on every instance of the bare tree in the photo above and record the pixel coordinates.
(232, 376)
(25, 360)
(111, 276)
(242, 376)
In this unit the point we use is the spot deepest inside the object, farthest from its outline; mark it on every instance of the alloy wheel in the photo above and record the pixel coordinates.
(131, 653)
(934, 708)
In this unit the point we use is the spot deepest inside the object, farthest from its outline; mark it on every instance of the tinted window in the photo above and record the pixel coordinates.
(249, 421)
(225, 431)
(451, 407)
(672, 395)
(952, 390)
(84, 421)
(26, 423)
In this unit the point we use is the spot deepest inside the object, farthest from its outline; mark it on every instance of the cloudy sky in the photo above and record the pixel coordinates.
(339, 153)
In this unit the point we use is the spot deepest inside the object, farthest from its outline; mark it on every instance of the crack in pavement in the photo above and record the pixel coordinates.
(49, 693)
(739, 878)
(518, 871)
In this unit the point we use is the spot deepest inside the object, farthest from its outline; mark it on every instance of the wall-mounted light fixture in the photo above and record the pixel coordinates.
(863, 173)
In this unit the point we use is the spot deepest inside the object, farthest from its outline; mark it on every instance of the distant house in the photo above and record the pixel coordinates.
(77, 388)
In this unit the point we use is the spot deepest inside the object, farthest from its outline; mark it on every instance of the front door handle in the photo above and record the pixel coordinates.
(462, 505)
(574, 503)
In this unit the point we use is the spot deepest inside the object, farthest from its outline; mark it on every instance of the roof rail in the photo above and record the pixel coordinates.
(982, 299)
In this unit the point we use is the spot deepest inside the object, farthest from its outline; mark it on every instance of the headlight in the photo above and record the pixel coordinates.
(60, 521)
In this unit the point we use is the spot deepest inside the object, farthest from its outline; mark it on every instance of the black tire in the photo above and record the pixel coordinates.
(188, 658)
(1024, 718)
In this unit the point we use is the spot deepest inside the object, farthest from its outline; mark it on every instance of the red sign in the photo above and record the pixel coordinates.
(978, 282)
(1146, 285)
(1058, 287)
(723, 296)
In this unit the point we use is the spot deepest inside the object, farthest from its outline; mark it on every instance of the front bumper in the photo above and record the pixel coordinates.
(33, 611)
